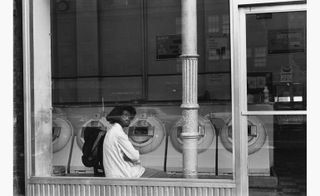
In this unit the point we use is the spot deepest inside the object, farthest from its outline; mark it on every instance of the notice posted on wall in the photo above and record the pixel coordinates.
(217, 46)
(286, 41)
(168, 46)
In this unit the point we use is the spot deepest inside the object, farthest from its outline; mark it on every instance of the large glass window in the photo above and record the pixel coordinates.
(122, 51)
(108, 53)
(276, 84)
(276, 60)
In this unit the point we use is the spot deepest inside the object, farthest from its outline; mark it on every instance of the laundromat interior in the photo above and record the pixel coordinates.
(127, 52)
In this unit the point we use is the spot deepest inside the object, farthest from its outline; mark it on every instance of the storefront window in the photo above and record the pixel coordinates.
(276, 60)
(276, 84)
(108, 53)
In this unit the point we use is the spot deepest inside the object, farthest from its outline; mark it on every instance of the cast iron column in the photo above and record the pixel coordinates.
(189, 87)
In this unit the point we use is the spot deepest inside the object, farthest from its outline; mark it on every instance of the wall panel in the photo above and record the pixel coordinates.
(106, 187)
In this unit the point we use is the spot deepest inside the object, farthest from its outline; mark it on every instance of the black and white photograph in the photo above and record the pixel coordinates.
(162, 98)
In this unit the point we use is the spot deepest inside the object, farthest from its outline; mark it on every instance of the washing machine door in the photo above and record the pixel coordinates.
(206, 135)
(146, 133)
(256, 135)
(62, 131)
(100, 123)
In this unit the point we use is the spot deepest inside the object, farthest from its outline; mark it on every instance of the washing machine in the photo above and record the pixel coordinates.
(62, 138)
(260, 141)
(82, 117)
(206, 147)
(147, 133)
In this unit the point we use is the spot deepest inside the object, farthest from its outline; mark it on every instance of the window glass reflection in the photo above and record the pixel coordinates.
(276, 60)
(115, 52)
(99, 46)
(281, 155)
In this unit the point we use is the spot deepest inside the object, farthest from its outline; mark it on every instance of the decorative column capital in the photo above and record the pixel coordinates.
(189, 56)
(189, 106)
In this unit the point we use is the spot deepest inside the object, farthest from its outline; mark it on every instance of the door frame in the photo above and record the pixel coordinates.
(238, 11)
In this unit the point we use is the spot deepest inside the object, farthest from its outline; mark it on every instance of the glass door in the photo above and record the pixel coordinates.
(273, 67)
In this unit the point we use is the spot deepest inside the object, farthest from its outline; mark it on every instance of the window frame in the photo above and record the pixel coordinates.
(37, 54)
(239, 8)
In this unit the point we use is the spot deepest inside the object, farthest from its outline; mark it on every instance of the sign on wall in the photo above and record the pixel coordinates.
(286, 41)
(168, 46)
(217, 46)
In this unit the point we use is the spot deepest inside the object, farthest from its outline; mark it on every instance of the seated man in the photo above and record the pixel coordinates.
(120, 158)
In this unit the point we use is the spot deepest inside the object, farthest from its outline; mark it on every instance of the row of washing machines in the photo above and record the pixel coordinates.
(155, 132)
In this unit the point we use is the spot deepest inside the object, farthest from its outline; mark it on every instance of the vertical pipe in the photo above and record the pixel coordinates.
(189, 87)
(144, 40)
(26, 26)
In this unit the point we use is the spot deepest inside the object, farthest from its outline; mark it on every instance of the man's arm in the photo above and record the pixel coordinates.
(129, 151)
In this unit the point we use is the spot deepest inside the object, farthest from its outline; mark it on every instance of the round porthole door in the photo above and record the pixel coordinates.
(62, 131)
(256, 135)
(99, 123)
(146, 133)
(206, 135)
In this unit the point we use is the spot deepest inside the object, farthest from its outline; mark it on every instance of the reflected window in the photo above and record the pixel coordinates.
(128, 51)
(115, 52)
(276, 59)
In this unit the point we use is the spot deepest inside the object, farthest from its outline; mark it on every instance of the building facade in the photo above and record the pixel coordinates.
(219, 88)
